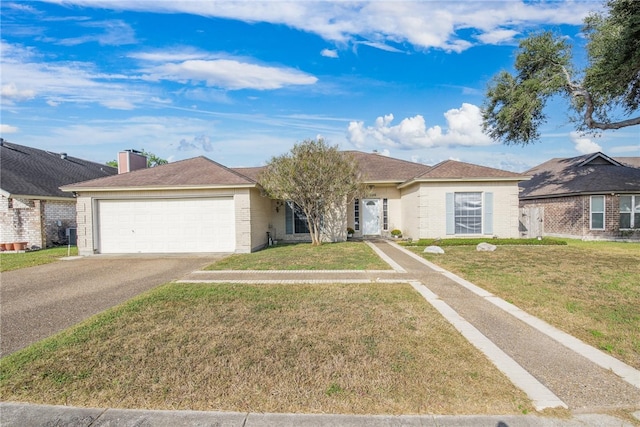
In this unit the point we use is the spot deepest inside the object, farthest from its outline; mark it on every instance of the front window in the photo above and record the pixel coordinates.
(356, 214)
(296, 219)
(385, 214)
(630, 211)
(597, 212)
(468, 213)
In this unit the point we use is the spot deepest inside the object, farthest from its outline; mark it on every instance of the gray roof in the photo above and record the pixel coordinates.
(588, 174)
(35, 173)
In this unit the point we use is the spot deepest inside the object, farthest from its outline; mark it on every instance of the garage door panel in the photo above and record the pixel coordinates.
(166, 225)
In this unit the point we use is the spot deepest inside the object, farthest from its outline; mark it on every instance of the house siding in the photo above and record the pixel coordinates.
(87, 214)
(432, 205)
(260, 209)
(411, 212)
(570, 217)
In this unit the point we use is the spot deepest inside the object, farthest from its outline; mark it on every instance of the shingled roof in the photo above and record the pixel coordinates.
(33, 173)
(374, 167)
(195, 172)
(452, 169)
(587, 174)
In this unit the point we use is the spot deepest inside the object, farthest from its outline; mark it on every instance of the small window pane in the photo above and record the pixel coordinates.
(625, 203)
(597, 204)
(597, 221)
(625, 220)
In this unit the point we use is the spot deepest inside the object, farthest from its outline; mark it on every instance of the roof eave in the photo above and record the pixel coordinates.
(32, 196)
(490, 179)
(71, 188)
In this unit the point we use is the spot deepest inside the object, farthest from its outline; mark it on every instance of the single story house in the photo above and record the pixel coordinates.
(593, 196)
(198, 205)
(33, 209)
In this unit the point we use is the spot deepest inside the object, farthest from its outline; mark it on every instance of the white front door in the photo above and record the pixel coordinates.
(371, 217)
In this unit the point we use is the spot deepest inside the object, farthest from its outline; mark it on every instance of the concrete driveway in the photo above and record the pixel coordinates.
(39, 301)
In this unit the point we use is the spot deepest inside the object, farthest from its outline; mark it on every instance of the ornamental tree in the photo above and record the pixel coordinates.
(603, 96)
(320, 180)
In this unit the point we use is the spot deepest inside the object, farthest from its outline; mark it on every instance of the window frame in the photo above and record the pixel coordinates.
(460, 221)
(356, 214)
(634, 212)
(296, 215)
(593, 212)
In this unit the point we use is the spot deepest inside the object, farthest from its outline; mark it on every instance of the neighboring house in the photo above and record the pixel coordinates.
(589, 197)
(33, 209)
(198, 205)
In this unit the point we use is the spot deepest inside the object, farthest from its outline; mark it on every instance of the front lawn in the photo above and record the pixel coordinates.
(590, 290)
(14, 261)
(359, 349)
(304, 256)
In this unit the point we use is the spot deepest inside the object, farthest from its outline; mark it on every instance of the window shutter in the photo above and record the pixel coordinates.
(451, 226)
(288, 218)
(488, 213)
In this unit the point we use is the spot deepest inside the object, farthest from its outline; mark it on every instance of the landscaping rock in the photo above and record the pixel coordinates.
(433, 250)
(486, 247)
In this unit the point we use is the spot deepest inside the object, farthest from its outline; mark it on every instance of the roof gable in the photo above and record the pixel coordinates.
(587, 174)
(31, 172)
(194, 172)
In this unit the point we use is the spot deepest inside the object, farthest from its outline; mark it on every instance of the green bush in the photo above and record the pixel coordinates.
(493, 241)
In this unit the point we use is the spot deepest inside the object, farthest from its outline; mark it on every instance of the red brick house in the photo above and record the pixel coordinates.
(593, 196)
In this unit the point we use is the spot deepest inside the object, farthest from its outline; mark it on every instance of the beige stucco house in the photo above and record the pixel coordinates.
(198, 205)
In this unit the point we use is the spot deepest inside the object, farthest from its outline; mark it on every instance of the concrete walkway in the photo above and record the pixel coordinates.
(553, 368)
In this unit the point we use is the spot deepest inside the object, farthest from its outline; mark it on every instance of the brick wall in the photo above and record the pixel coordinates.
(58, 216)
(570, 217)
(35, 221)
(20, 221)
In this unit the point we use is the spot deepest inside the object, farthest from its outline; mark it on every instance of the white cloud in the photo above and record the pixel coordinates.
(114, 33)
(464, 127)
(12, 92)
(584, 145)
(329, 53)
(497, 36)
(229, 74)
(424, 24)
(7, 129)
(26, 77)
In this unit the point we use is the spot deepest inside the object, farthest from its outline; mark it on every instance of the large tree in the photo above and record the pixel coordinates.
(605, 95)
(320, 180)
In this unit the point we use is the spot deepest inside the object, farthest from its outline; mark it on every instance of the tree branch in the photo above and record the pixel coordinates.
(577, 90)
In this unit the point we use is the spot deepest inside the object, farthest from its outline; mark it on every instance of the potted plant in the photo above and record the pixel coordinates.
(396, 234)
(350, 232)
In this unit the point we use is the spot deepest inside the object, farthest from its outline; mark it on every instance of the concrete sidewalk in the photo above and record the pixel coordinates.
(553, 368)
(26, 415)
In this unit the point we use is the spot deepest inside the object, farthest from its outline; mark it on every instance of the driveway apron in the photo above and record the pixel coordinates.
(37, 302)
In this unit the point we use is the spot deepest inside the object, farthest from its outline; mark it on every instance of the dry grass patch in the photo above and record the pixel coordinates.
(588, 289)
(304, 256)
(362, 349)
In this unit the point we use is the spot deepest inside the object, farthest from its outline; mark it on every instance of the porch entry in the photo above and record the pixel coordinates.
(371, 217)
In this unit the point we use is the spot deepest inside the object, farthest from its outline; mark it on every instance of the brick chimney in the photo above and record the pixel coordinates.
(131, 160)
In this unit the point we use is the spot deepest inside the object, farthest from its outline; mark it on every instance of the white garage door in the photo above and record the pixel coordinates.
(166, 225)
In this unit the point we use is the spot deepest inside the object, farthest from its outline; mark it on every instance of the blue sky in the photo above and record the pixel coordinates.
(240, 82)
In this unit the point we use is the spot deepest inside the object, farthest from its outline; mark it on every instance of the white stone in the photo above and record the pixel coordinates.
(486, 247)
(433, 250)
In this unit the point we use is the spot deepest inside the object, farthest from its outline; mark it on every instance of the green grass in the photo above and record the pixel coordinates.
(362, 349)
(590, 290)
(304, 256)
(14, 261)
